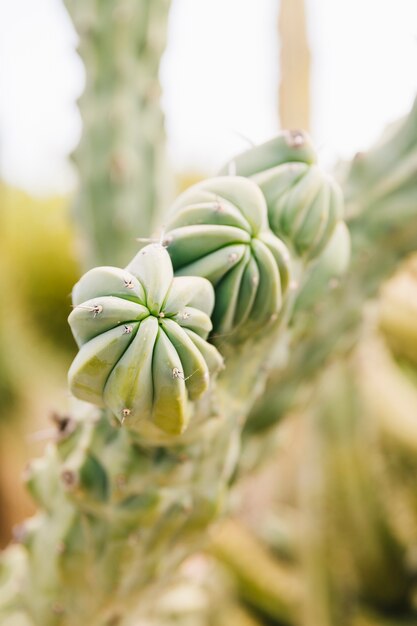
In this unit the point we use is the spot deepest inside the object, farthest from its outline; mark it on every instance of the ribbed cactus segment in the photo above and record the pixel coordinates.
(124, 178)
(109, 510)
(304, 205)
(141, 334)
(304, 202)
(218, 229)
(287, 146)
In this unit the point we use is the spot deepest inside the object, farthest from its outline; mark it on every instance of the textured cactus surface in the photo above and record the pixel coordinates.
(219, 229)
(123, 501)
(304, 203)
(287, 147)
(141, 334)
(124, 178)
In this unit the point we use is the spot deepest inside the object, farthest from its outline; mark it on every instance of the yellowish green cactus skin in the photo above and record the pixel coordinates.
(141, 334)
(219, 229)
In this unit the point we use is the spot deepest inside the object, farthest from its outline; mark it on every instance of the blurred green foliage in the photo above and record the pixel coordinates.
(37, 270)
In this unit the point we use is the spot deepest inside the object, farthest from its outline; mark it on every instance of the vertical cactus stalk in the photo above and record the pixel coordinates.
(124, 178)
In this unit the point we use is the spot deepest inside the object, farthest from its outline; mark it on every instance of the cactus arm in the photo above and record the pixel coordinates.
(123, 507)
(382, 233)
(124, 177)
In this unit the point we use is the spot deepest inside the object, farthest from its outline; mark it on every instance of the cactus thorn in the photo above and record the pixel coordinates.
(146, 240)
(69, 478)
(64, 424)
(125, 413)
(176, 373)
(127, 329)
(185, 315)
(232, 257)
(128, 283)
(164, 240)
(96, 309)
(192, 374)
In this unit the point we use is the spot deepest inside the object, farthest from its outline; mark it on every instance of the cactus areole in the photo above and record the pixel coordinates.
(142, 338)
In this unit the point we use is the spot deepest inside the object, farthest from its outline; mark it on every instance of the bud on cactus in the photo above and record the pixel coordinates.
(218, 229)
(141, 334)
(287, 146)
(304, 205)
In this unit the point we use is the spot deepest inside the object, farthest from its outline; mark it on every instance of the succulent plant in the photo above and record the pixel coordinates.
(304, 205)
(125, 179)
(117, 511)
(304, 202)
(141, 334)
(287, 146)
(219, 229)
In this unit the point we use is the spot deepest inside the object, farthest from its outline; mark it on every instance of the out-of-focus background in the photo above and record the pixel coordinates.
(220, 75)
(160, 94)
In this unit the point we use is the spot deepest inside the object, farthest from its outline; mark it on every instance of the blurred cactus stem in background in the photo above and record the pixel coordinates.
(125, 181)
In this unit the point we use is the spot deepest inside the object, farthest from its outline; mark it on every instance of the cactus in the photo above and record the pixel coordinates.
(123, 501)
(125, 181)
(383, 230)
(142, 337)
(122, 506)
(356, 403)
(219, 229)
(304, 203)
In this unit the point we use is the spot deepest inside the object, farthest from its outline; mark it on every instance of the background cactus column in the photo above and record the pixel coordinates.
(124, 178)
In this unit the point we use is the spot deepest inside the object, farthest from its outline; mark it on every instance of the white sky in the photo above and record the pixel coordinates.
(220, 78)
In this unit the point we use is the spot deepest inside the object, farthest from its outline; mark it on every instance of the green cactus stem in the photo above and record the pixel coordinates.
(141, 334)
(218, 229)
(124, 178)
